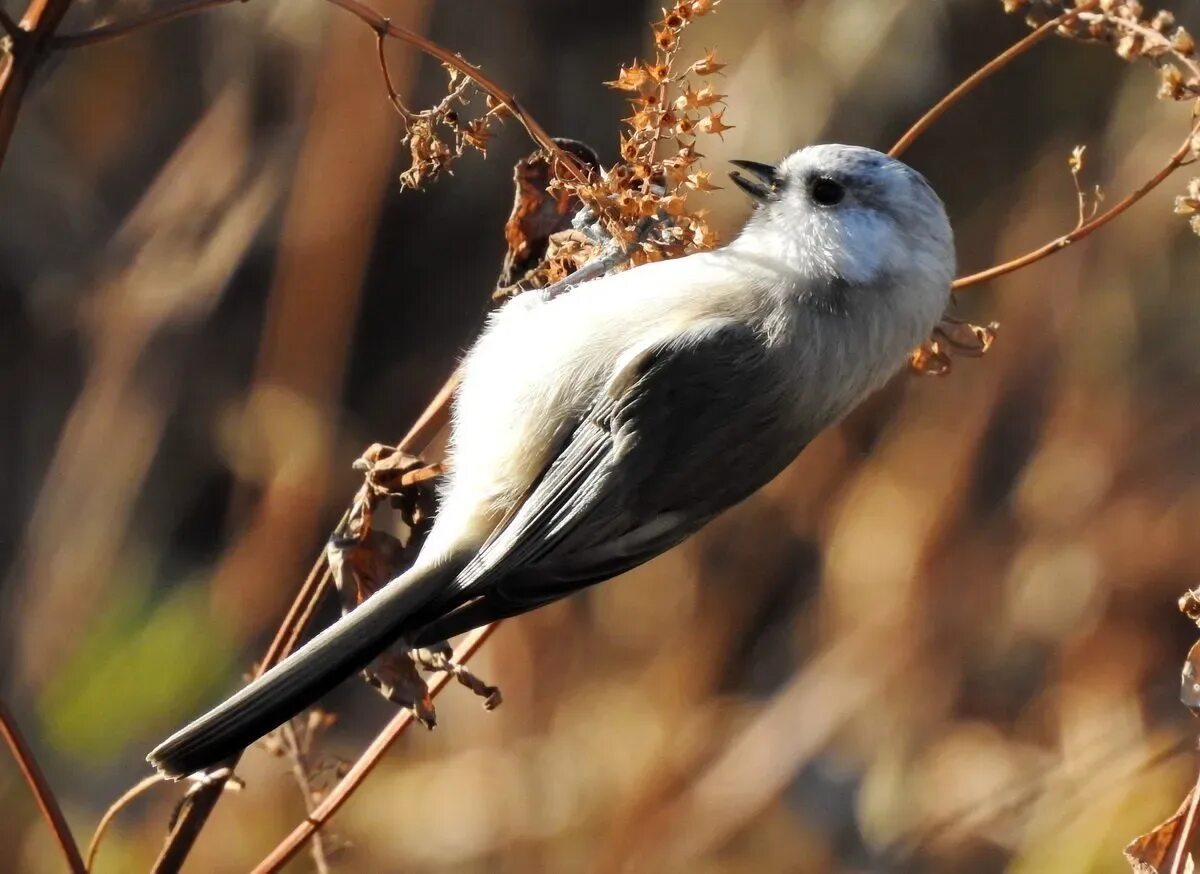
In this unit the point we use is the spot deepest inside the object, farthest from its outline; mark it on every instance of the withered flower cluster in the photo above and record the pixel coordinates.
(672, 108)
(437, 137)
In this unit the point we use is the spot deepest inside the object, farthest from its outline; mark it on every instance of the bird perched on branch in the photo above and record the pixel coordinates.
(594, 430)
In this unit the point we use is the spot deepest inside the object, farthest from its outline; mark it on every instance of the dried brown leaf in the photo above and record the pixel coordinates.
(1155, 851)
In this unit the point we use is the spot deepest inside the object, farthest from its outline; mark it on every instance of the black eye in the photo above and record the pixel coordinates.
(827, 192)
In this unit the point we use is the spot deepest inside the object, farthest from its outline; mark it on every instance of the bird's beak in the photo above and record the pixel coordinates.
(759, 188)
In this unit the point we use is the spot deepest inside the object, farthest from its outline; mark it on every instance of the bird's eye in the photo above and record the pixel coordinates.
(827, 192)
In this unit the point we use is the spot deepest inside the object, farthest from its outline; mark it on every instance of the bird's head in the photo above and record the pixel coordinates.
(849, 216)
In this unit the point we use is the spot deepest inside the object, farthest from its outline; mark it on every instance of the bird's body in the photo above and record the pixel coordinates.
(598, 428)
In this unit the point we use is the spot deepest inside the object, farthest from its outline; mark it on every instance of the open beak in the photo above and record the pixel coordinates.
(762, 186)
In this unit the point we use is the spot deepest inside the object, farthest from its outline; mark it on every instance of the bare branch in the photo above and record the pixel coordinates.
(123, 28)
(30, 37)
(109, 815)
(42, 793)
(969, 84)
(377, 22)
(358, 772)
(11, 27)
(1181, 157)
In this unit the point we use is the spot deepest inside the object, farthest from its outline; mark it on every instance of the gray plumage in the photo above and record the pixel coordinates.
(595, 430)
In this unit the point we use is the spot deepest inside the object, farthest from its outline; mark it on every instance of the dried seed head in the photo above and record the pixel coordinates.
(708, 65)
(1162, 21)
(1171, 84)
(629, 79)
(1182, 42)
(714, 124)
(660, 72)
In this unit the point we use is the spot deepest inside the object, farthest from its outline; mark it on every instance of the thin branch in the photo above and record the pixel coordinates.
(36, 29)
(11, 27)
(111, 814)
(299, 767)
(433, 419)
(393, 95)
(191, 821)
(299, 613)
(1177, 160)
(971, 82)
(41, 790)
(123, 28)
(358, 772)
(378, 22)
(198, 804)
(381, 24)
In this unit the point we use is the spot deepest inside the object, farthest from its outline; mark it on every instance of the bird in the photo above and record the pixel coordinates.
(595, 429)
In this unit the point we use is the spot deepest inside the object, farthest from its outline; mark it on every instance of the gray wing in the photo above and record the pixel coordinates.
(656, 457)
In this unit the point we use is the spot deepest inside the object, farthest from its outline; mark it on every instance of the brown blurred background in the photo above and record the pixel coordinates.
(945, 640)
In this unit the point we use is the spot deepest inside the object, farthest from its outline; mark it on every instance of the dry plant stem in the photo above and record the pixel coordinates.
(189, 824)
(111, 814)
(299, 767)
(434, 418)
(358, 772)
(121, 28)
(971, 82)
(1177, 864)
(30, 40)
(298, 614)
(1180, 158)
(382, 25)
(10, 26)
(42, 793)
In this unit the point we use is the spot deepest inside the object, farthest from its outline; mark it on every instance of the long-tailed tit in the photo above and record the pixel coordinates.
(594, 430)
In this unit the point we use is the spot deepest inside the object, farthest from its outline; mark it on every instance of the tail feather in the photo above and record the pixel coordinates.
(301, 679)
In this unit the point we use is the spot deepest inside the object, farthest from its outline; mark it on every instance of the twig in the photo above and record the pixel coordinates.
(393, 95)
(111, 814)
(42, 793)
(1177, 160)
(190, 821)
(377, 22)
(188, 825)
(123, 28)
(358, 772)
(381, 24)
(298, 614)
(11, 27)
(971, 82)
(29, 38)
(433, 419)
(299, 768)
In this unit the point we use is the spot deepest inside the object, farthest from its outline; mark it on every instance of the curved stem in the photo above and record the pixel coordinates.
(381, 24)
(378, 22)
(42, 793)
(358, 772)
(1176, 161)
(111, 814)
(122, 28)
(969, 84)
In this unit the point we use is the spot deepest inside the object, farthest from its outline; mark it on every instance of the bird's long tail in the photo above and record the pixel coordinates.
(299, 680)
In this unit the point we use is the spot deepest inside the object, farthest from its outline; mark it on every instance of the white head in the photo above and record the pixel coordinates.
(851, 218)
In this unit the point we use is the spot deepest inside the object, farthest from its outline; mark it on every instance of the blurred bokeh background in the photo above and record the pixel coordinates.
(945, 640)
